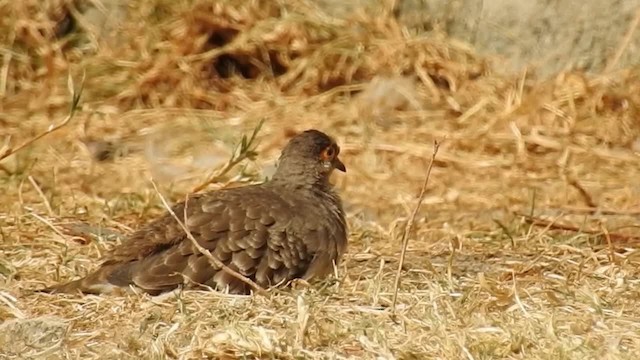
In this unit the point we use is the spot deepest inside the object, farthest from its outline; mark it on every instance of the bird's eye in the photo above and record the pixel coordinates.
(328, 153)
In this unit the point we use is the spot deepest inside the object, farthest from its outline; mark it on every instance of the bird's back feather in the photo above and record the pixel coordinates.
(267, 234)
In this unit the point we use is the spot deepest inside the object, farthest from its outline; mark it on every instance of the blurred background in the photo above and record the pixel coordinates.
(533, 201)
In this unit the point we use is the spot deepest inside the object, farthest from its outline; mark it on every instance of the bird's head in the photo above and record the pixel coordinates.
(309, 158)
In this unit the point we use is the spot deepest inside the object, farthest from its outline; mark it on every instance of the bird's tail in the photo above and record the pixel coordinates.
(96, 282)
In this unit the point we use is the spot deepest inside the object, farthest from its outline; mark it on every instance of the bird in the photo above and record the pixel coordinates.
(291, 226)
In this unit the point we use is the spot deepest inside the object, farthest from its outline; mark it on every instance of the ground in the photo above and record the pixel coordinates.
(525, 245)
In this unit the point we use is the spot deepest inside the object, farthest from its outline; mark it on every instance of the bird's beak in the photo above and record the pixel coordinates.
(339, 165)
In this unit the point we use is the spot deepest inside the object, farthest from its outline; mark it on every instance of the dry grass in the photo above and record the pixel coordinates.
(173, 91)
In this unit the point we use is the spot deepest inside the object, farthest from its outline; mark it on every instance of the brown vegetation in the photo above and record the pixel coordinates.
(525, 245)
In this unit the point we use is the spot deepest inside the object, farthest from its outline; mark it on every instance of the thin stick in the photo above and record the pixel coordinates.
(76, 94)
(549, 224)
(216, 177)
(612, 252)
(245, 150)
(41, 194)
(588, 199)
(257, 288)
(626, 40)
(579, 209)
(49, 224)
(407, 229)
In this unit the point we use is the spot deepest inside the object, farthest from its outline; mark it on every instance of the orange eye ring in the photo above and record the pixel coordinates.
(328, 153)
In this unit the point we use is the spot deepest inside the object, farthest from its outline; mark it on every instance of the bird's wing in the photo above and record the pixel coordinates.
(261, 234)
(254, 232)
(212, 209)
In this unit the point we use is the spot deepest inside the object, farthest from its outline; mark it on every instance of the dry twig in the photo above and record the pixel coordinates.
(624, 43)
(75, 95)
(593, 210)
(245, 150)
(45, 201)
(536, 221)
(588, 199)
(257, 288)
(407, 229)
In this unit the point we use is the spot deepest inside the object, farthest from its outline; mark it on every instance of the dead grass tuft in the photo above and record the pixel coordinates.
(525, 245)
